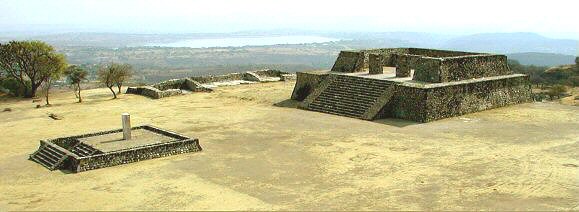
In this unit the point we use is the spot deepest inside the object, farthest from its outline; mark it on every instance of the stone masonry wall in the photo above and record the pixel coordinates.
(426, 69)
(349, 61)
(406, 103)
(306, 82)
(459, 99)
(469, 67)
(438, 53)
(425, 104)
(135, 155)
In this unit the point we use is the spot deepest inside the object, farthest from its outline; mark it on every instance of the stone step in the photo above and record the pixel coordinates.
(52, 151)
(352, 108)
(48, 158)
(342, 113)
(42, 161)
(355, 92)
(342, 110)
(366, 83)
(350, 93)
(359, 80)
(346, 102)
(360, 86)
(337, 111)
(349, 96)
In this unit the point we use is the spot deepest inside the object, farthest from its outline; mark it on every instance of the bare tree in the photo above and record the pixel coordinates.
(124, 74)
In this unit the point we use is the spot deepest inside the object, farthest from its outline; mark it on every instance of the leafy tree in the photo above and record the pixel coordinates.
(75, 75)
(30, 61)
(114, 74)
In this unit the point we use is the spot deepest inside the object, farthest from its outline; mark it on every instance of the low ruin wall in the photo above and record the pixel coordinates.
(135, 154)
(222, 78)
(168, 88)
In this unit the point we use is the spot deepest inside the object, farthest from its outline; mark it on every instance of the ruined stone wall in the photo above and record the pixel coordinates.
(426, 69)
(406, 103)
(220, 78)
(270, 73)
(438, 53)
(306, 82)
(463, 98)
(168, 88)
(476, 66)
(349, 61)
(425, 104)
(153, 92)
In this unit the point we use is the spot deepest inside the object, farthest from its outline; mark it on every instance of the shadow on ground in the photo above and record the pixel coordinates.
(396, 122)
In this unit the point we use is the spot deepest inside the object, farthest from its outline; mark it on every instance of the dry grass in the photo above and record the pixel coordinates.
(261, 157)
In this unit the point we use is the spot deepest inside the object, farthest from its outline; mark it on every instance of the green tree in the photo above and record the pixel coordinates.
(30, 61)
(114, 74)
(75, 75)
(52, 70)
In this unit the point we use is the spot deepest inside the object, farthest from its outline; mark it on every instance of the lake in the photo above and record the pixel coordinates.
(245, 41)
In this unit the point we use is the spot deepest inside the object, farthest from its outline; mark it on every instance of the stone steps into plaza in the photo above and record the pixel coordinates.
(83, 150)
(49, 157)
(352, 96)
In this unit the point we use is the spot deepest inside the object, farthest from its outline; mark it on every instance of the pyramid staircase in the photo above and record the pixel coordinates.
(351, 96)
(49, 156)
(83, 150)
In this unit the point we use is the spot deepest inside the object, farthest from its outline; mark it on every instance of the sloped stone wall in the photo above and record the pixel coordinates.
(306, 82)
(406, 103)
(349, 61)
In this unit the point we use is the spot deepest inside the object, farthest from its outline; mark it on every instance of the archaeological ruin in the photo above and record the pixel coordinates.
(206, 83)
(110, 148)
(421, 85)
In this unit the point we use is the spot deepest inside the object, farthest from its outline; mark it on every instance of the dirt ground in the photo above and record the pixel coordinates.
(261, 156)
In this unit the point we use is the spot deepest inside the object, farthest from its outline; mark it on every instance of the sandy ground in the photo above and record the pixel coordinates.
(258, 156)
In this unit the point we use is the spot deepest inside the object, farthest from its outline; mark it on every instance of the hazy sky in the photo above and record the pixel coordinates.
(554, 18)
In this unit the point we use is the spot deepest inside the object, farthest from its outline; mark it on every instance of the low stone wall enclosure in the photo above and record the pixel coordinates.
(206, 83)
(104, 149)
(427, 85)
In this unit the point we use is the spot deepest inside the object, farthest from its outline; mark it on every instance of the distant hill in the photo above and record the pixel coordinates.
(507, 43)
(542, 59)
